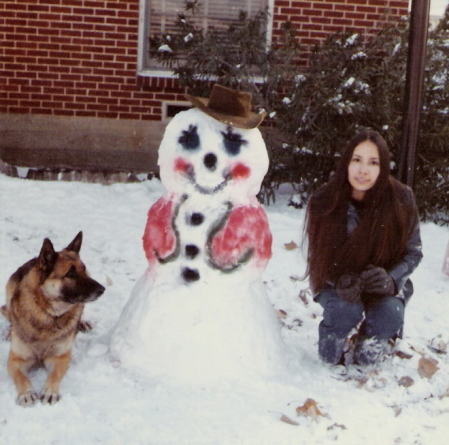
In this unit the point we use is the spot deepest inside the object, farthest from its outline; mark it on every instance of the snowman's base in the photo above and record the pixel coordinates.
(199, 334)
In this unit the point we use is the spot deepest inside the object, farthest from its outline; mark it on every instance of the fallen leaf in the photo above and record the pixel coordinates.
(427, 367)
(403, 355)
(438, 345)
(406, 381)
(297, 322)
(287, 419)
(282, 314)
(336, 425)
(109, 282)
(290, 246)
(303, 296)
(309, 409)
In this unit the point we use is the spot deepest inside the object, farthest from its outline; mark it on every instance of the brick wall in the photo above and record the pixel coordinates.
(75, 58)
(78, 57)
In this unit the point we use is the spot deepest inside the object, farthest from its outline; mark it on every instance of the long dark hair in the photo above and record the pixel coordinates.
(388, 218)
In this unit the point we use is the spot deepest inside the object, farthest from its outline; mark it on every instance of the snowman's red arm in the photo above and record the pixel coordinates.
(160, 241)
(245, 236)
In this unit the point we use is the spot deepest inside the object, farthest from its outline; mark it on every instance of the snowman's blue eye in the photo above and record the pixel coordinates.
(233, 142)
(189, 139)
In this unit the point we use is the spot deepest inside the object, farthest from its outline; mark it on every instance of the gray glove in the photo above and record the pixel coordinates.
(349, 287)
(376, 280)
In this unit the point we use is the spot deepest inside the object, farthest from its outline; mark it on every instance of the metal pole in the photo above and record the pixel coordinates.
(419, 22)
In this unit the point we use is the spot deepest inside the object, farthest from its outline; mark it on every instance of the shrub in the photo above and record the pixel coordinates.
(432, 163)
(365, 88)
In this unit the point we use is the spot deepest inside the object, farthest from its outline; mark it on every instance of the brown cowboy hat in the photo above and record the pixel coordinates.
(229, 106)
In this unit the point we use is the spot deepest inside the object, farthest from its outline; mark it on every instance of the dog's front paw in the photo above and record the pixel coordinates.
(48, 397)
(27, 398)
(84, 326)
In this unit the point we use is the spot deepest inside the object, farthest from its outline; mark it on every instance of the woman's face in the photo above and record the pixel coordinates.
(363, 169)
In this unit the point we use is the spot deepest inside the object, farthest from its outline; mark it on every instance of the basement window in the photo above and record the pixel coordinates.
(171, 109)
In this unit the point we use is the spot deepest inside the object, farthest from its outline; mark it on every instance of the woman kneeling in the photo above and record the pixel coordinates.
(363, 244)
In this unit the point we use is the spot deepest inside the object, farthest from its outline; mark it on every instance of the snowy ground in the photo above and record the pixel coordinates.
(105, 403)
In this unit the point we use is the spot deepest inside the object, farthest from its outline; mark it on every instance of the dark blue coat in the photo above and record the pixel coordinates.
(408, 263)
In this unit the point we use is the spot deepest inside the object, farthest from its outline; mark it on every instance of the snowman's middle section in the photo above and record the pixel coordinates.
(198, 218)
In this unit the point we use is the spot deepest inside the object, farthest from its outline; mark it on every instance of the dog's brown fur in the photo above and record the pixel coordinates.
(44, 302)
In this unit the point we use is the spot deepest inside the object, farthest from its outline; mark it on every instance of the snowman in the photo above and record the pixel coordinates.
(200, 313)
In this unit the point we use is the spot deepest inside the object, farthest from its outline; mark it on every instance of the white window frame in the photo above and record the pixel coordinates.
(142, 45)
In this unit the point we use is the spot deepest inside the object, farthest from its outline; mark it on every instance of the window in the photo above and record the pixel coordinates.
(171, 109)
(159, 16)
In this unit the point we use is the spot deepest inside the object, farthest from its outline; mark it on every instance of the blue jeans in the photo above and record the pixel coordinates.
(382, 317)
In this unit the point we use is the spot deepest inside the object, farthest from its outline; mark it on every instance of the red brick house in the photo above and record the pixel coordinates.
(77, 87)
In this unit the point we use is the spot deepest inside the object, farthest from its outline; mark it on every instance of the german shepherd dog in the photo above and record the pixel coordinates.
(44, 302)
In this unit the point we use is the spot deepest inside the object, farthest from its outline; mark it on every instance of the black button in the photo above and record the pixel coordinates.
(196, 219)
(190, 275)
(191, 251)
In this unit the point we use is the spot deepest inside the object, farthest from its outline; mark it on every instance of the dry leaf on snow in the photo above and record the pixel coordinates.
(403, 355)
(287, 419)
(438, 345)
(303, 296)
(309, 409)
(427, 367)
(290, 246)
(406, 381)
(282, 315)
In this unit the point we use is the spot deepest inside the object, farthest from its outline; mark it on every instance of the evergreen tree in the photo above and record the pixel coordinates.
(432, 163)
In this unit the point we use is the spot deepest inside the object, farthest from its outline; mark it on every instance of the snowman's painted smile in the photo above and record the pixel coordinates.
(238, 171)
(190, 174)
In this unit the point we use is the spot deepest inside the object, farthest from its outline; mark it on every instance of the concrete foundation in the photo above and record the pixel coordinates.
(41, 141)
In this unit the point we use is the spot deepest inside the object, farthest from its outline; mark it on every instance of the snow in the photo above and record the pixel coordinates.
(104, 402)
(165, 48)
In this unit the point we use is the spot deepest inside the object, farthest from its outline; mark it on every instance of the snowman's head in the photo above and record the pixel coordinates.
(200, 154)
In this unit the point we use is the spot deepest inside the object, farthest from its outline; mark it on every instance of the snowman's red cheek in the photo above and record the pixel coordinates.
(182, 166)
(240, 171)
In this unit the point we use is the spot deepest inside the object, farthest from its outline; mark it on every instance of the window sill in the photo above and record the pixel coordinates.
(164, 74)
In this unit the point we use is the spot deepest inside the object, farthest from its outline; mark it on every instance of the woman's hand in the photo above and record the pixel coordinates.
(376, 280)
(349, 287)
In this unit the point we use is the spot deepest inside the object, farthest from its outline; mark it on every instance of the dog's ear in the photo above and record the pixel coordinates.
(75, 245)
(47, 256)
